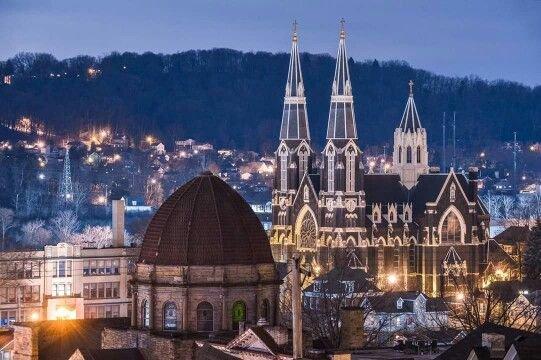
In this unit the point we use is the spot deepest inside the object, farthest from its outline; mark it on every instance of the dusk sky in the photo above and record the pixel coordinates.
(492, 39)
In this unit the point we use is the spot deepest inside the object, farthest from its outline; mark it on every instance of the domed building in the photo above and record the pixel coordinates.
(205, 263)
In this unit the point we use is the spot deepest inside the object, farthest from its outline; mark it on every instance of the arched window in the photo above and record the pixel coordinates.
(169, 316)
(411, 257)
(265, 310)
(418, 154)
(330, 174)
(303, 163)
(306, 194)
(205, 317)
(145, 314)
(238, 314)
(400, 154)
(396, 255)
(283, 172)
(450, 229)
(408, 155)
(452, 193)
(350, 170)
(308, 232)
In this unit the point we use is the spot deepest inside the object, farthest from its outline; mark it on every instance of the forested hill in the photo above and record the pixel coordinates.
(232, 98)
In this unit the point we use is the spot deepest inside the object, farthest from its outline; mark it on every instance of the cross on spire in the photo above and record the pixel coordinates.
(295, 23)
(410, 83)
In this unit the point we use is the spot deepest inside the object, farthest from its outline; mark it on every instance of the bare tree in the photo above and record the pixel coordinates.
(65, 225)
(80, 198)
(35, 233)
(154, 192)
(94, 237)
(6, 223)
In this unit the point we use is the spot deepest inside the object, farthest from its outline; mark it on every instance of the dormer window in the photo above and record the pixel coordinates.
(376, 214)
(306, 194)
(452, 193)
(399, 303)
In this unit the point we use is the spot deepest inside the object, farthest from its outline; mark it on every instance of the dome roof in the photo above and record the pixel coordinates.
(205, 222)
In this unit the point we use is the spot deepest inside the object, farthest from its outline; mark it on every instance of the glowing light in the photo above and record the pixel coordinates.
(102, 199)
(116, 157)
(40, 144)
(41, 176)
(68, 196)
(149, 139)
(196, 152)
(90, 160)
(104, 133)
(482, 154)
(34, 316)
(523, 177)
(63, 313)
(460, 296)
(532, 148)
(372, 164)
(153, 181)
(392, 279)
(245, 176)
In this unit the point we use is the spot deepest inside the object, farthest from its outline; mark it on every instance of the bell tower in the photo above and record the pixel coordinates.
(410, 151)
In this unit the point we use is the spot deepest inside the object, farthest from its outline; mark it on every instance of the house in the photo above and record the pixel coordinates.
(513, 241)
(401, 311)
(490, 341)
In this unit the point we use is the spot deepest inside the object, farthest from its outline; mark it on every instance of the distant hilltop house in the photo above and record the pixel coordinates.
(190, 147)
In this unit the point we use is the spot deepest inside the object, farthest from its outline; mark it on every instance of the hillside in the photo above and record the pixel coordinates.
(232, 98)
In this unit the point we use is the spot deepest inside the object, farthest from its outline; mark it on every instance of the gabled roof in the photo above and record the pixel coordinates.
(387, 302)
(513, 235)
(384, 188)
(331, 281)
(110, 354)
(255, 337)
(462, 349)
(209, 352)
(496, 254)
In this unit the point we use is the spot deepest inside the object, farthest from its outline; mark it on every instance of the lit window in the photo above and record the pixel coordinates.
(450, 230)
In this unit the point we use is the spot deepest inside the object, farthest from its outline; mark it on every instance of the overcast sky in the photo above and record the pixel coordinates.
(493, 39)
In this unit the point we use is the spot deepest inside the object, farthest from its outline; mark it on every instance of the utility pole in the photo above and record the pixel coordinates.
(454, 140)
(515, 147)
(444, 156)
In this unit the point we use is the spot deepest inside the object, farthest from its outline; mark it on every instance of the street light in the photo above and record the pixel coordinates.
(41, 176)
(392, 279)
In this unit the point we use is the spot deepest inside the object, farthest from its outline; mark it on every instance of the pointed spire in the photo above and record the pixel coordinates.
(294, 118)
(341, 115)
(410, 119)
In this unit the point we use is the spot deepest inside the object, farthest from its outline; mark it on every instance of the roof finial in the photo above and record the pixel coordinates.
(295, 23)
(342, 30)
(410, 83)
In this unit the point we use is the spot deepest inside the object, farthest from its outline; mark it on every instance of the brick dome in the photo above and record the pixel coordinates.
(205, 222)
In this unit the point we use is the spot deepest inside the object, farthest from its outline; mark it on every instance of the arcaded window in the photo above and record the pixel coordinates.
(400, 154)
(330, 174)
(418, 154)
(238, 314)
(408, 155)
(283, 172)
(169, 316)
(205, 317)
(450, 230)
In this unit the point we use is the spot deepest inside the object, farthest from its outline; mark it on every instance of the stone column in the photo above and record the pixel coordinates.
(185, 310)
(134, 306)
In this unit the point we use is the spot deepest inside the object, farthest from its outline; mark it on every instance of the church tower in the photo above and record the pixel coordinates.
(410, 152)
(341, 197)
(294, 155)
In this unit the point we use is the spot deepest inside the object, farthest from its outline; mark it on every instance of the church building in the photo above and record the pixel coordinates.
(411, 228)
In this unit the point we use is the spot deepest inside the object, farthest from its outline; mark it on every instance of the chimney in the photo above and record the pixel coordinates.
(118, 222)
(434, 170)
(495, 343)
(473, 177)
(352, 328)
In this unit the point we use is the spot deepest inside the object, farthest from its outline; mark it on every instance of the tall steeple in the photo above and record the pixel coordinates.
(410, 151)
(341, 114)
(294, 118)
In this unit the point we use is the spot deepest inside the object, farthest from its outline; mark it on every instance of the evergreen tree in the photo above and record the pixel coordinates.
(532, 255)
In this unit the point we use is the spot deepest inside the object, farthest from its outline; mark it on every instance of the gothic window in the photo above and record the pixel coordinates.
(396, 256)
(169, 316)
(205, 317)
(411, 257)
(303, 163)
(145, 313)
(283, 172)
(306, 194)
(308, 232)
(381, 258)
(418, 154)
(330, 174)
(450, 229)
(452, 193)
(238, 314)
(408, 154)
(350, 170)
(400, 154)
